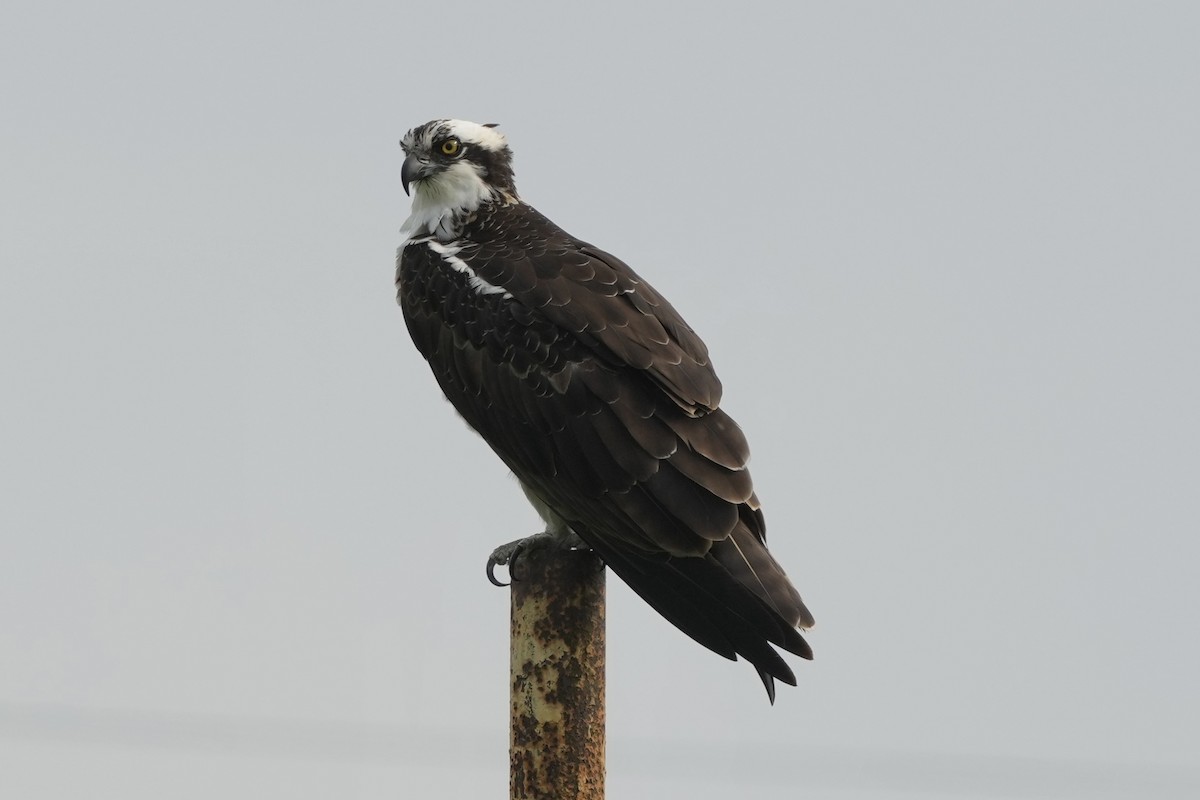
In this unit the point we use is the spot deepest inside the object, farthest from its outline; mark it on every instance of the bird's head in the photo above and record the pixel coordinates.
(457, 164)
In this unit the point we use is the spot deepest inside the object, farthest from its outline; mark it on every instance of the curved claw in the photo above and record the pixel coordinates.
(509, 554)
(492, 563)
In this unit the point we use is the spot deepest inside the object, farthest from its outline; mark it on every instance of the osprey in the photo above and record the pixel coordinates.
(596, 394)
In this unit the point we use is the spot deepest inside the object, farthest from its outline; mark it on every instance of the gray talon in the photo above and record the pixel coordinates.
(508, 554)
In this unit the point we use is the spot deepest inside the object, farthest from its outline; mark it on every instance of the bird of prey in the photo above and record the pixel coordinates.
(596, 394)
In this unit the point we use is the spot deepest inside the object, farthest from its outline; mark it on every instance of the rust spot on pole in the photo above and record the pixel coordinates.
(556, 742)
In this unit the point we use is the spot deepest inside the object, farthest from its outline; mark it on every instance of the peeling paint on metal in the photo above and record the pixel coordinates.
(557, 660)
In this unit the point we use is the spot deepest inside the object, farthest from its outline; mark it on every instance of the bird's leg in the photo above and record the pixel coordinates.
(507, 554)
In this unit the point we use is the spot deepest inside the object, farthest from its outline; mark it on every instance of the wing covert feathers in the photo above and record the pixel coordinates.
(602, 401)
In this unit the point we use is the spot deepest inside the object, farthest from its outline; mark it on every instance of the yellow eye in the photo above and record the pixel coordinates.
(450, 147)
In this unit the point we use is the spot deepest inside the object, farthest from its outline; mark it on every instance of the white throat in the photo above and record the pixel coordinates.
(442, 201)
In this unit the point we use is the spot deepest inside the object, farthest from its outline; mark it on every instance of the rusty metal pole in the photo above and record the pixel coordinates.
(556, 742)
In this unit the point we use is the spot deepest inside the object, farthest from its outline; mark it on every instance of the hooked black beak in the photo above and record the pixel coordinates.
(413, 170)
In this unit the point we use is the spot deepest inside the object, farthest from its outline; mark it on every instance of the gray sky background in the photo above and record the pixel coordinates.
(944, 255)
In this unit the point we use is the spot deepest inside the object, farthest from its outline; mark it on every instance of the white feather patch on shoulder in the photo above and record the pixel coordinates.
(449, 254)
